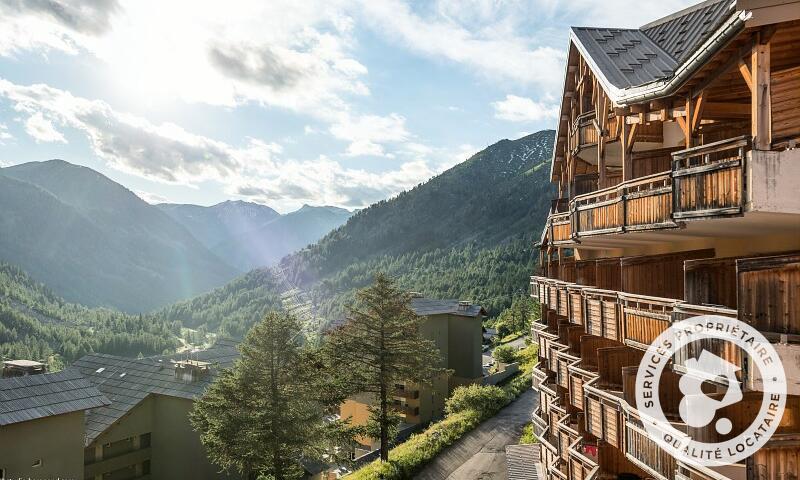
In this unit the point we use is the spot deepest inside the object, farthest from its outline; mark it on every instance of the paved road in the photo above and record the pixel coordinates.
(481, 454)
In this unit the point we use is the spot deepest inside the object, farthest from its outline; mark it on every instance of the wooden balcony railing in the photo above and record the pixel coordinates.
(575, 298)
(702, 181)
(584, 132)
(560, 228)
(581, 465)
(564, 361)
(598, 212)
(568, 434)
(648, 202)
(602, 313)
(578, 377)
(721, 348)
(709, 180)
(643, 451)
(603, 413)
(644, 318)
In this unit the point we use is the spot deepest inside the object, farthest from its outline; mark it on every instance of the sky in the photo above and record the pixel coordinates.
(285, 103)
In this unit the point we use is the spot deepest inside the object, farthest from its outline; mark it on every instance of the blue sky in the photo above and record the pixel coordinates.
(338, 102)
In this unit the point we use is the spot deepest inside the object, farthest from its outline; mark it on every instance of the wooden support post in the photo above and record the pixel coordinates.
(687, 132)
(601, 162)
(627, 165)
(761, 103)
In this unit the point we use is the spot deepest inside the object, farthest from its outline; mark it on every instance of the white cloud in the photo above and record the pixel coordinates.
(151, 198)
(4, 134)
(326, 182)
(523, 109)
(368, 133)
(168, 153)
(477, 35)
(42, 130)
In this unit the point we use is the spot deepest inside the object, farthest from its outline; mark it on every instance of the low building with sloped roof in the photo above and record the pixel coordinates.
(42, 424)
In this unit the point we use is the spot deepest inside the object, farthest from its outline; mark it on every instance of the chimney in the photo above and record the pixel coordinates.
(463, 305)
(22, 368)
(190, 371)
(415, 294)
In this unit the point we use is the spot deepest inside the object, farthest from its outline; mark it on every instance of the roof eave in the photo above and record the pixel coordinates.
(628, 96)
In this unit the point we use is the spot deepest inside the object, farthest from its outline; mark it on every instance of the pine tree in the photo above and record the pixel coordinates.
(263, 416)
(378, 346)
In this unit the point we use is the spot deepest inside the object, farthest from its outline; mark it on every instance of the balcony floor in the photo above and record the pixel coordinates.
(751, 224)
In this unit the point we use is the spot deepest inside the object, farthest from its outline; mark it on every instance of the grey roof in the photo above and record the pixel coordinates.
(127, 381)
(626, 57)
(521, 461)
(38, 396)
(682, 32)
(429, 306)
(634, 57)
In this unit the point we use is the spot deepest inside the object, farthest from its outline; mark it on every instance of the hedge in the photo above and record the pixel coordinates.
(410, 457)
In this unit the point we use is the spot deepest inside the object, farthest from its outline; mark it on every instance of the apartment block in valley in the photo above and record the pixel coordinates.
(678, 179)
(456, 329)
(108, 417)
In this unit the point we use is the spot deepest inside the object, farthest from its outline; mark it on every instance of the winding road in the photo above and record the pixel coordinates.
(481, 453)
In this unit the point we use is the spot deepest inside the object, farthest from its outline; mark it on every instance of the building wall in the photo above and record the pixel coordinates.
(464, 347)
(57, 441)
(154, 438)
(177, 450)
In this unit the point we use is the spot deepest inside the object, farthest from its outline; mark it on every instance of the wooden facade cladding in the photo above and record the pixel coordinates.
(785, 92)
(710, 281)
(769, 293)
(581, 465)
(658, 275)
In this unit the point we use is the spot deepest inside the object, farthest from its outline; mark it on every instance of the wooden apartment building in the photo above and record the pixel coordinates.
(678, 179)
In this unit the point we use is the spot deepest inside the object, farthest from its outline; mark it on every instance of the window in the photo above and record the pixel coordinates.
(37, 463)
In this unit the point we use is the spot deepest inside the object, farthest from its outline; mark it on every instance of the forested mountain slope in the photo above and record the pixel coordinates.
(37, 324)
(467, 233)
(281, 236)
(96, 243)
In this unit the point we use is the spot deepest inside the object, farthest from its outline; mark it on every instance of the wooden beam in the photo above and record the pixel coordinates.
(725, 67)
(687, 132)
(627, 164)
(632, 137)
(761, 121)
(748, 77)
(698, 110)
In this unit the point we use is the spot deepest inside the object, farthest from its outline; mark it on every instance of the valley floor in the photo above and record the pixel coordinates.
(481, 454)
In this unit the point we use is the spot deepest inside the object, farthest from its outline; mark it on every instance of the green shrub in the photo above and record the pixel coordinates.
(408, 458)
(528, 436)
(505, 354)
(483, 399)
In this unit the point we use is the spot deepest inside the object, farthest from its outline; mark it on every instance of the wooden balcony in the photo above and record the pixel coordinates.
(578, 377)
(709, 179)
(575, 300)
(602, 314)
(568, 433)
(560, 228)
(564, 360)
(405, 392)
(582, 465)
(725, 350)
(699, 182)
(644, 318)
(583, 133)
(562, 306)
(603, 413)
(643, 451)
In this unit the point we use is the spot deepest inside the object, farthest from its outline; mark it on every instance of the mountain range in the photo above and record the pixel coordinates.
(248, 235)
(466, 233)
(96, 243)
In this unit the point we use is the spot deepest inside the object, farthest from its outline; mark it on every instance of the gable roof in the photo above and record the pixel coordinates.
(430, 306)
(637, 64)
(37, 396)
(128, 381)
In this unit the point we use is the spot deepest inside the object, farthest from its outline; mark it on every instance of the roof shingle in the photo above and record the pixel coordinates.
(37, 396)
